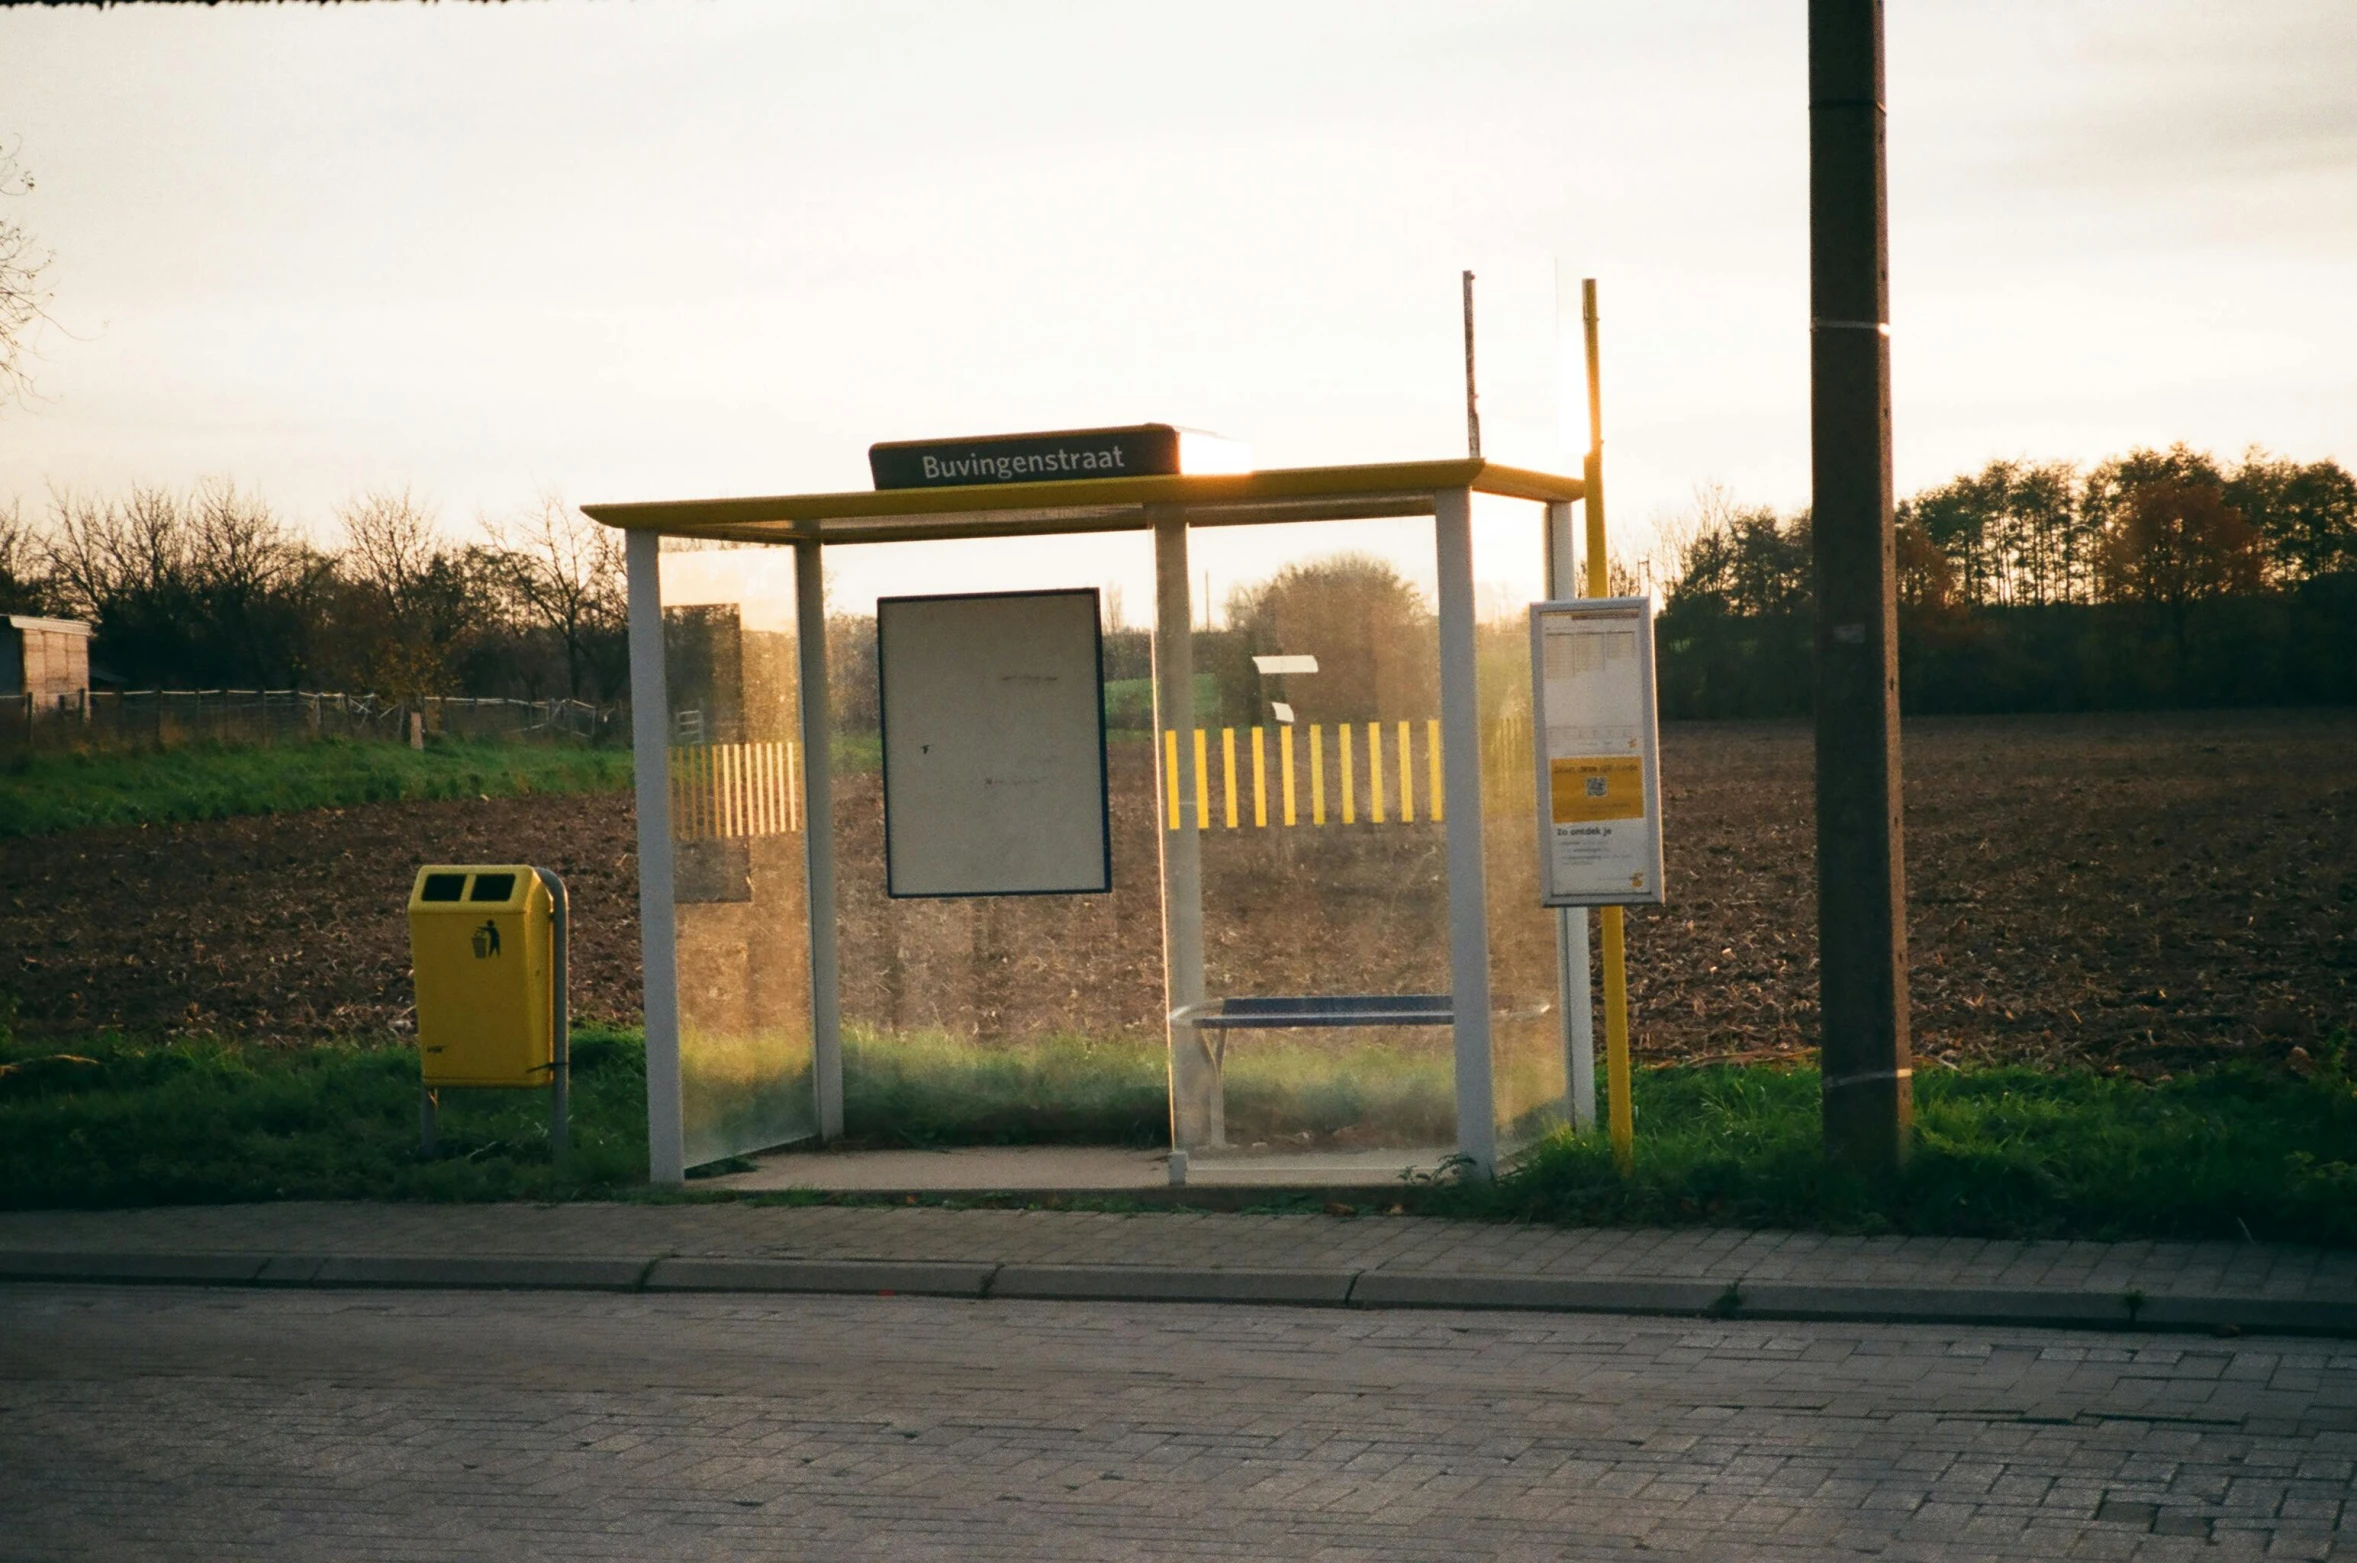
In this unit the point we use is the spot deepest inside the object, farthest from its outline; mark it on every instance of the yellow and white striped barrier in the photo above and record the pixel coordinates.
(1401, 767)
(729, 791)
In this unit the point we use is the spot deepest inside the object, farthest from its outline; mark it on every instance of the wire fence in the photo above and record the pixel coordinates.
(167, 718)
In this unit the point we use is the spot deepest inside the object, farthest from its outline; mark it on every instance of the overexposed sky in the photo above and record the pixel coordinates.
(667, 248)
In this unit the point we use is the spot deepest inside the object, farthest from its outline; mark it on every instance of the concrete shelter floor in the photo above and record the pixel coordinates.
(1068, 1168)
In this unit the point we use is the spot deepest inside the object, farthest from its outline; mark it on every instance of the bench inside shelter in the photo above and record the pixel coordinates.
(1325, 1009)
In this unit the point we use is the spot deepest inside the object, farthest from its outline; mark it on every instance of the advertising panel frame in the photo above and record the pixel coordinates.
(1557, 883)
(939, 827)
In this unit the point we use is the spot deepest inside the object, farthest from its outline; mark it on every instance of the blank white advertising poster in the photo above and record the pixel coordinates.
(1599, 773)
(994, 745)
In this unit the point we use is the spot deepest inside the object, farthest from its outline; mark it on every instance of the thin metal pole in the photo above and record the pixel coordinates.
(818, 836)
(1861, 869)
(650, 760)
(1611, 921)
(1460, 748)
(1592, 470)
(1571, 955)
(1573, 991)
(560, 1075)
(426, 1125)
(1472, 397)
(1197, 1111)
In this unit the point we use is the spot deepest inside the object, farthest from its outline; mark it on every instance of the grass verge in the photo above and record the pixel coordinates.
(50, 792)
(117, 1122)
(2236, 1152)
(929, 1088)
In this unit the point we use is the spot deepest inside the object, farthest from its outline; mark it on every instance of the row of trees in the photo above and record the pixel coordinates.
(2155, 578)
(2171, 527)
(212, 588)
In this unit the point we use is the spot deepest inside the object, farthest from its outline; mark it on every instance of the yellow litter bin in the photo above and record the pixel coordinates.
(487, 945)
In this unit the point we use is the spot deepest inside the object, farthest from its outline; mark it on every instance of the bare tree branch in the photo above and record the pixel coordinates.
(567, 572)
(24, 296)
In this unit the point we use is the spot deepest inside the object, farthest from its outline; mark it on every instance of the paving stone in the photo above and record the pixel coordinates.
(191, 1422)
(2163, 1272)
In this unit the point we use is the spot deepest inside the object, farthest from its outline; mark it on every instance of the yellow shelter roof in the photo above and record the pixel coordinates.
(1086, 504)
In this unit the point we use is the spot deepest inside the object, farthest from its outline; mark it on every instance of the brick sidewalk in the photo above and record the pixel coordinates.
(1366, 1260)
(178, 1422)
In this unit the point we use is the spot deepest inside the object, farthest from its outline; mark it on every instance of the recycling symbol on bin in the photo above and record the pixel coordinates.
(486, 940)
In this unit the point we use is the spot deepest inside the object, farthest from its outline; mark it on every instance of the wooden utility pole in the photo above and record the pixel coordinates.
(1861, 869)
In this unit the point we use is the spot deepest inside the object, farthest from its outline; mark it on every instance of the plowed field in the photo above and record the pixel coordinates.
(2140, 890)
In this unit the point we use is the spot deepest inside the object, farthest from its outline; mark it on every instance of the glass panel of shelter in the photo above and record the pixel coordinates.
(1001, 1016)
(734, 763)
(1323, 841)
(1529, 1062)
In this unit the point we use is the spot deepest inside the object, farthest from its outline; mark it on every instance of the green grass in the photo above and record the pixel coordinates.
(50, 792)
(2235, 1152)
(115, 1122)
(929, 1088)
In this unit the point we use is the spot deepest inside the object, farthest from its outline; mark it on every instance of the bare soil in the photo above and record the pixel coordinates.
(2136, 890)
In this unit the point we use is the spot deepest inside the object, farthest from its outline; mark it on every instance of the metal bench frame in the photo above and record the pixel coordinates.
(1327, 1009)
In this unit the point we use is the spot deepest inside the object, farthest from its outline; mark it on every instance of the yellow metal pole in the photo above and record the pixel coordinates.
(1317, 775)
(1407, 780)
(1350, 807)
(1202, 784)
(1621, 1115)
(1432, 775)
(1227, 754)
(1285, 765)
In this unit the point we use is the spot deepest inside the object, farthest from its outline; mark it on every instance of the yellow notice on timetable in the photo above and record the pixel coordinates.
(1584, 790)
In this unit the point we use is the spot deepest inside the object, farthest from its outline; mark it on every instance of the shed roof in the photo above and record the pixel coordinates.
(21, 621)
(1086, 504)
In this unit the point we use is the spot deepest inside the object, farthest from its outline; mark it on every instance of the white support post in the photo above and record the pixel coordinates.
(818, 835)
(1197, 1118)
(1579, 1030)
(1460, 725)
(1575, 991)
(650, 739)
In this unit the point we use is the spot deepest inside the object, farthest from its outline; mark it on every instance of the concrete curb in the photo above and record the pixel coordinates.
(919, 1278)
(520, 1273)
(1954, 1305)
(171, 1269)
(1560, 1294)
(1728, 1300)
(1156, 1283)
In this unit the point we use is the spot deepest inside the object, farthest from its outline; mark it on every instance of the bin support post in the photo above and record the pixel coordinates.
(1197, 1116)
(1460, 747)
(560, 1069)
(426, 1126)
(1576, 995)
(818, 835)
(657, 933)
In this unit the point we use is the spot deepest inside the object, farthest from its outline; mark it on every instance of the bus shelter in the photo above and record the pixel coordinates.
(1344, 947)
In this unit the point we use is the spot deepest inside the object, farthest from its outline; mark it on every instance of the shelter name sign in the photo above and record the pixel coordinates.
(1594, 734)
(1150, 450)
